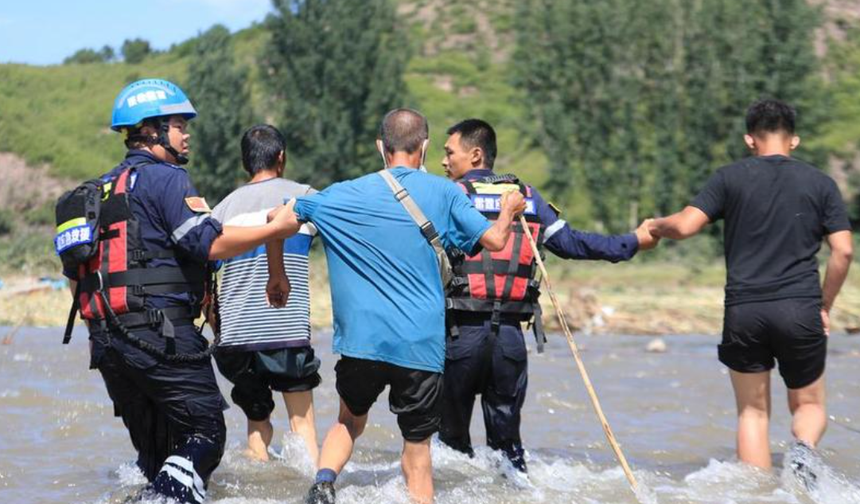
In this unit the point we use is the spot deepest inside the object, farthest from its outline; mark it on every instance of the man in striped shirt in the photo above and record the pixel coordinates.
(264, 349)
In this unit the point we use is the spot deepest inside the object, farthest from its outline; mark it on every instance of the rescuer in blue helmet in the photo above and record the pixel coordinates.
(152, 102)
(142, 290)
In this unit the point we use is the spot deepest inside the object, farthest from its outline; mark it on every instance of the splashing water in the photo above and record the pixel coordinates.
(672, 412)
(805, 472)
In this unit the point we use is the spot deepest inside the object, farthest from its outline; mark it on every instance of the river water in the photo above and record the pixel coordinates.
(672, 412)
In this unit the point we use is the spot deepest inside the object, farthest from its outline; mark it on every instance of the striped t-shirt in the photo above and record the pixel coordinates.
(248, 323)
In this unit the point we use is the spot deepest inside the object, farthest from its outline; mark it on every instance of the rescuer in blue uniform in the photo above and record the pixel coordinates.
(142, 292)
(493, 294)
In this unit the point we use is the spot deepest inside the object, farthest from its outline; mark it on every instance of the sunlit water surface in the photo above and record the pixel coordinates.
(673, 413)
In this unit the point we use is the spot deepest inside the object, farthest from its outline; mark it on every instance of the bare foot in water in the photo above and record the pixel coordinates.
(259, 437)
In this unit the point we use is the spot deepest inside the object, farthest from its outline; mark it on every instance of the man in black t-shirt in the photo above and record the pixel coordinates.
(777, 211)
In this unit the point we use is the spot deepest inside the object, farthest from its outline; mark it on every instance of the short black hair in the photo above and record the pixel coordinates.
(261, 146)
(477, 133)
(403, 130)
(770, 116)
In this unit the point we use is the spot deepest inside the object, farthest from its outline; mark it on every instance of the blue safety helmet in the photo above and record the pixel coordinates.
(149, 98)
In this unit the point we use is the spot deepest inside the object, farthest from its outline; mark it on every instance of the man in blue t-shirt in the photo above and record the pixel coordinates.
(387, 296)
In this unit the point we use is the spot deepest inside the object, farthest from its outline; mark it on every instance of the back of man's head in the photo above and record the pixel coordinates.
(770, 116)
(262, 146)
(403, 130)
(477, 133)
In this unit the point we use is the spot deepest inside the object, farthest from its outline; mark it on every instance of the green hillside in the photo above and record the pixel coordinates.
(461, 66)
(59, 114)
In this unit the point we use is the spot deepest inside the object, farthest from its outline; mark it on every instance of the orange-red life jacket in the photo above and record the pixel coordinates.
(501, 284)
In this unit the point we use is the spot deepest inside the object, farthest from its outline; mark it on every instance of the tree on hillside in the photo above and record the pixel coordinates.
(578, 70)
(333, 68)
(735, 53)
(840, 135)
(217, 89)
(638, 102)
(135, 51)
(85, 56)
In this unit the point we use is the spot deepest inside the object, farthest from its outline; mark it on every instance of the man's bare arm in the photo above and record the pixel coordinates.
(841, 253)
(278, 286)
(236, 239)
(495, 238)
(681, 225)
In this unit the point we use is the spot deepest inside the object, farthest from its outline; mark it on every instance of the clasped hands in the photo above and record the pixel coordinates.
(646, 236)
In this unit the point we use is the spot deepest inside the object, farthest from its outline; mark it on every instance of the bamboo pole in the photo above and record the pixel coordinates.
(570, 341)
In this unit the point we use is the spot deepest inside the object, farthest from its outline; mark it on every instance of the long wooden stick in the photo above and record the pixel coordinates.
(591, 393)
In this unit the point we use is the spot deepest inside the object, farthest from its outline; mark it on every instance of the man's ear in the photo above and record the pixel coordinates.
(795, 141)
(381, 148)
(750, 141)
(282, 162)
(476, 156)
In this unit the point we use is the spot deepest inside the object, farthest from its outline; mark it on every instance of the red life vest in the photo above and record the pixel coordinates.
(499, 283)
(117, 273)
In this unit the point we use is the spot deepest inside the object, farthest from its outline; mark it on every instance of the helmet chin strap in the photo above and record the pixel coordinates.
(164, 141)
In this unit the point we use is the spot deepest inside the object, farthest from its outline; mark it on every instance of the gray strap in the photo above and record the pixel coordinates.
(427, 229)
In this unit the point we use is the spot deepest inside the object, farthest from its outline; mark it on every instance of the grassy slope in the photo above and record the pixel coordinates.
(459, 68)
(47, 111)
(60, 114)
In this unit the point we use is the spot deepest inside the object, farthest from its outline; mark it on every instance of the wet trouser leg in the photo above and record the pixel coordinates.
(463, 378)
(145, 422)
(503, 398)
(180, 402)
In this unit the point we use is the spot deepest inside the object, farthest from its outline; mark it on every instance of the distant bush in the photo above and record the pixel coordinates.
(135, 51)
(41, 216)
(465, 25)
(85, 56)
(28, 252)
(7, 222)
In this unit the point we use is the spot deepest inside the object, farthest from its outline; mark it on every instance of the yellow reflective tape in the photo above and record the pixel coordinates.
(80, 221)
(106, 188)
(484, 188)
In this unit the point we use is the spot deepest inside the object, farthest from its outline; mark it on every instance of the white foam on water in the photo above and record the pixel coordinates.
(374, 477)
(294, 453)
(644, 493)
(391, 491)
(729, 482)
(244, 500)
(22, 357)
(130, 475)
(830, 486)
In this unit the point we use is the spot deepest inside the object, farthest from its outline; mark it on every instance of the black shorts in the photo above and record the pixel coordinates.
(789, 331)
(414, 397)
(256, 374)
